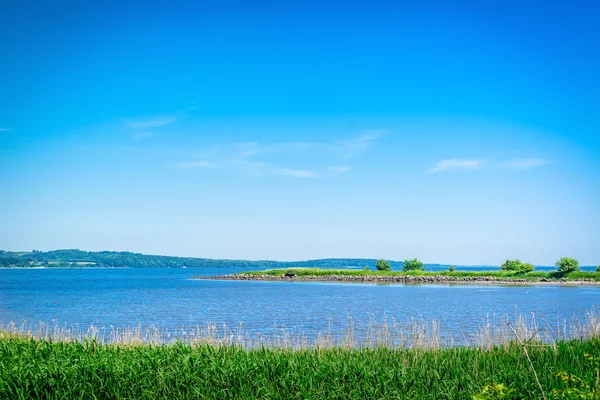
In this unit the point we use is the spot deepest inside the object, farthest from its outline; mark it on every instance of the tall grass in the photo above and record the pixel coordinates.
(409, 360)
(43, 369)
(375, 332)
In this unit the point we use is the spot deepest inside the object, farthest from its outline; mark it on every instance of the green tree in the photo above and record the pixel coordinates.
(451, 268)
(567, 264)
(598, 268)
(516, 266)
(413, 265)
(383, 265)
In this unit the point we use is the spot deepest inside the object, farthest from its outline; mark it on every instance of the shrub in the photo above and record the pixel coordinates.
(413, 265)
(567, 265)
(516, 266)
(598, 268)
(451, 268)
(576, 387)
(493, 392)
(383, 265)
(367, 268)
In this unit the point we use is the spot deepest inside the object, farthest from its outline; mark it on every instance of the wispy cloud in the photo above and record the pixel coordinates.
(146, 123)
(198, 164)
(457, 164)
(471, 164)
(4, 129)
(358, 144)
(248, 149)
(294, 159)
(523, 163)
(325, 173)
(262, 169)
(141, 135)
(296, 173)
(337, 170)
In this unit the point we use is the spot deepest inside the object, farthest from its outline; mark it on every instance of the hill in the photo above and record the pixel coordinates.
(79, 258)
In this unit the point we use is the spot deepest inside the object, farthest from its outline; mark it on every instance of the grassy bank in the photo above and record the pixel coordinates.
(31, 368)
(500, 275)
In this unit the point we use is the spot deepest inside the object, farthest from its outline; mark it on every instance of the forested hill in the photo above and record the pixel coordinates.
(78, 258)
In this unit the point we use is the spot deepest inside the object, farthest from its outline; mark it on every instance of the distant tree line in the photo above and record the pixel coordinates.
(79, 258)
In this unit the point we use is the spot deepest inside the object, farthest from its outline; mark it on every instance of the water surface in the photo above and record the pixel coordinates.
(170, 300)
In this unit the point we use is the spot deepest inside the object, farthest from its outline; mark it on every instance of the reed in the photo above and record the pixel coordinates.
(375, 332)
(44, 369)
(384, 359)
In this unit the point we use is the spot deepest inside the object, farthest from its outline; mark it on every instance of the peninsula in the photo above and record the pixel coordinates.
(368, 276)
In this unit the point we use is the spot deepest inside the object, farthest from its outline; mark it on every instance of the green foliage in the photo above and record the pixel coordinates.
(37, 369)
(413, 265)
(567, 265)
(65, 258)
(502, 275)
(576, 387)
(598, 268)
(367, 268)
(451, 268)
(516, 266)
(383, 265)
(493, 392)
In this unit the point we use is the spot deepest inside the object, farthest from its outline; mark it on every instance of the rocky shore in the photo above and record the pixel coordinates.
(396, 279)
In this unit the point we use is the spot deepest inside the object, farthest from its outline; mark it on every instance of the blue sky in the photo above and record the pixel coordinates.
(449, 131)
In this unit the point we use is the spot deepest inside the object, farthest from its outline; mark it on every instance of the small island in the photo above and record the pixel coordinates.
(414, 271)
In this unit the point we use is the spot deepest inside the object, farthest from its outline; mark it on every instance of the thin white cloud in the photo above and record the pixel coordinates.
(262, 169)
(337, 170)
(299, 173)
(198, 164)
(4, 129)
(523, 163)
(248, 149)
(456, 163)
(256, 159)
(296, 173)
(146, 123)
(192, 106)
(358, 144)
(141, 135)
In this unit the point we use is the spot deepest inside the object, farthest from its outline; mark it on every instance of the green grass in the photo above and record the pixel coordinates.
(42, 369)
(505, 275)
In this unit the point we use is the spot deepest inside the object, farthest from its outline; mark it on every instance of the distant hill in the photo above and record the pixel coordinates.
(79, 258)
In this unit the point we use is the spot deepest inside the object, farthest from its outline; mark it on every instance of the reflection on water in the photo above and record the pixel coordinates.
(170, 300)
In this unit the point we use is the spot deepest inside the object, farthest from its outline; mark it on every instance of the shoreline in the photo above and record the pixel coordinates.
(399, 279)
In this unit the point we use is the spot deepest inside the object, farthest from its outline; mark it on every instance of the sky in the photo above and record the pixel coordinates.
(454, 132)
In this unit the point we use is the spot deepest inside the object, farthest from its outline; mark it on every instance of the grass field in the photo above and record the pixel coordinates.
(42, 369)
(504, 275)
(59, 364)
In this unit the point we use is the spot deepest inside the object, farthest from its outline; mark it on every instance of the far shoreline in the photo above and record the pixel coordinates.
(400, 279)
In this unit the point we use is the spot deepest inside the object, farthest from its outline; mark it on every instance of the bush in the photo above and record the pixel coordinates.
(451, 268)
(367, 268)
(567, 264)
(413, 265)
(516, 266)
(598, 268)
(383, 265)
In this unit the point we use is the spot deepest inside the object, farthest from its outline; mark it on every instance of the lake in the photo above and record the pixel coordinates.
(171, 301)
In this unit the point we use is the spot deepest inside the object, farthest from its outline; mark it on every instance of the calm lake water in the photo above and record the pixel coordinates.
(170, 300)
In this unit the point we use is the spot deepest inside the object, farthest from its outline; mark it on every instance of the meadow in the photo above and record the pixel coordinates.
(512, 361)
(499, 275)
(43, 369)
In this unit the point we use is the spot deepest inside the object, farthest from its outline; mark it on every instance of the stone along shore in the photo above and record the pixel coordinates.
(394, 279)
